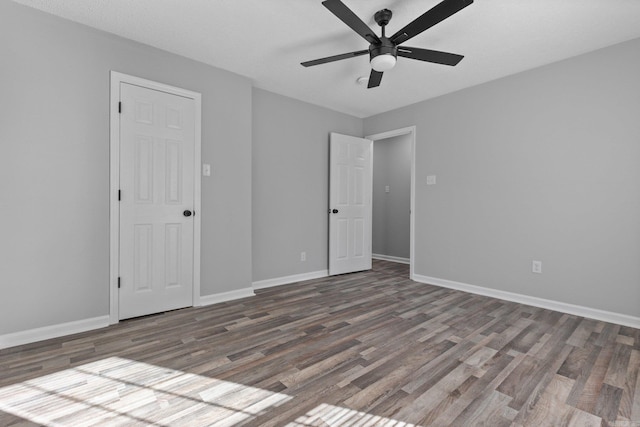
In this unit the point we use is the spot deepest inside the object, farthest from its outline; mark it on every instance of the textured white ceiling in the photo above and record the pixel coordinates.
(266, 40)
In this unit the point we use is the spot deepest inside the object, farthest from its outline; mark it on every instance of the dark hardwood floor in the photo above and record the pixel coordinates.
(363, 349)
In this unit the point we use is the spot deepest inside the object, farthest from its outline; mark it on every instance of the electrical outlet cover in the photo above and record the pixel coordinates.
(536, 266)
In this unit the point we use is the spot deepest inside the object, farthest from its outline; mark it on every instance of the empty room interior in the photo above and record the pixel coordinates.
(280, 214)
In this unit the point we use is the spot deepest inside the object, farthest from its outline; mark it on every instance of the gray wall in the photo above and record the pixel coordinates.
(541, 165)
(291, 183)
(392, 167)
(54, 167)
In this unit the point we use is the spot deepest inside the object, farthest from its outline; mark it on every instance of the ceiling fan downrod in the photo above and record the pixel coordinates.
(382, 17)
(383, 55)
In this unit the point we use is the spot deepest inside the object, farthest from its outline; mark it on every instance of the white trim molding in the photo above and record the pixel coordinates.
(226, 296)
(390, 258)
(563, 307)
(269, 283)
(54, 331)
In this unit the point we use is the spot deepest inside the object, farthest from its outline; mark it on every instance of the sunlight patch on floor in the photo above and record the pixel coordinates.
(118, 391)
(329, 415)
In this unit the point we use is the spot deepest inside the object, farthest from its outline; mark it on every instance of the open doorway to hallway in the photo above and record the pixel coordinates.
(392, 197)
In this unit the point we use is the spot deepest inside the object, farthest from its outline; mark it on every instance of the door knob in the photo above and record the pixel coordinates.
(335, 211)
(187, 213)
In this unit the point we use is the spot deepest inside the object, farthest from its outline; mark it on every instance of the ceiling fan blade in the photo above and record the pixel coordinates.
(347, 16)
(438, 13)
(334, 58)
(374, 79)
(427, 55)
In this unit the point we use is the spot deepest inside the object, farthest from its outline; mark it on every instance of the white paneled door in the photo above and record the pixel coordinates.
(349, 204)
(157, 176)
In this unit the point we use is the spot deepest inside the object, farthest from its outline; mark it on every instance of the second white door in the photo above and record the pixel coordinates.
(157, 145)
(349, 204)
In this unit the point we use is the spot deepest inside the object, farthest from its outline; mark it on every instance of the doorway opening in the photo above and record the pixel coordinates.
(392, 200)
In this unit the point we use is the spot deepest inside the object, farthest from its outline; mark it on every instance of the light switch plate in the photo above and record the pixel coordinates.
(431, 180)
(206, 169)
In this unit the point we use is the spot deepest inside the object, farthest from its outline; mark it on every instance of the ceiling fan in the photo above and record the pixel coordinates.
(384, 50)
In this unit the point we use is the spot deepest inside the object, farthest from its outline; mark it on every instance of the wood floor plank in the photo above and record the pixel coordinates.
(369, 348)
(617, 371)
(591, 390)
(551, 407)
(627, 400)
(635, 399)
(525, 402)
(494, 410)
(501, 365)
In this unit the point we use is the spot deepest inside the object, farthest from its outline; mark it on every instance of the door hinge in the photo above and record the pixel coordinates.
(120, 107)
(119, 195)
(118, 283)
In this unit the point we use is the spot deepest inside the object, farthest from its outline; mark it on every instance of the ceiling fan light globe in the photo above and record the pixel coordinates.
(383, 62)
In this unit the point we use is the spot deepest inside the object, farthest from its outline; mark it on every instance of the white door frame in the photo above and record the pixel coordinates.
(411, 130)
(114, 217)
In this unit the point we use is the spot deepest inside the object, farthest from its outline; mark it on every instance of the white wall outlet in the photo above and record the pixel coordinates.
(386, 188)
(431, 180)
(536, 266)
(303, 256)
(206, 169)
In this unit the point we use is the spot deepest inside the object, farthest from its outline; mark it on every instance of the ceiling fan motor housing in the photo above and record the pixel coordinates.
(386, 47)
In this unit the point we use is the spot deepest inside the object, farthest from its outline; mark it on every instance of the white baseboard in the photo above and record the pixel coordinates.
(60, 330)
(563, 307)
(269, 283)
(391, 258)
(53, 331)
(226, 296)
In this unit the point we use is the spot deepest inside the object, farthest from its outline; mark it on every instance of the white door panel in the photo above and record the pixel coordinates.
(350, 204)
(157, 146)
